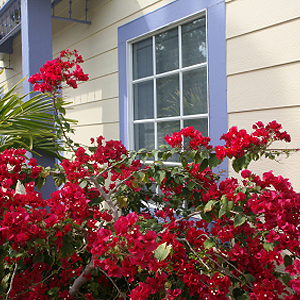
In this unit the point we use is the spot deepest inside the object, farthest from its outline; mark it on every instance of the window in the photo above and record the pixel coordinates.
(172, 73)
(168, 83)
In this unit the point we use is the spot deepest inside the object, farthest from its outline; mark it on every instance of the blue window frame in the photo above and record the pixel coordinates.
(150, 25)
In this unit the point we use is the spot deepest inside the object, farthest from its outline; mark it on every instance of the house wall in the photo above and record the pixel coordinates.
(263, 71)
(95, 103)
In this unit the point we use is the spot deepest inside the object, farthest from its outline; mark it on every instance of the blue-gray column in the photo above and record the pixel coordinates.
(36, 34)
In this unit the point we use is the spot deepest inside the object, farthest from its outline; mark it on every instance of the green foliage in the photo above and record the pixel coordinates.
(28, 123)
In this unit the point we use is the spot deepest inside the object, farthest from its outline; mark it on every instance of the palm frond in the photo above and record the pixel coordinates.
(28, 123)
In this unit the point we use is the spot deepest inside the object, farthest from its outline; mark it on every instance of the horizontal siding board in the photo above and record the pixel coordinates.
(85, 133)
(268, 47)
(102, 17)
(288, 117)
(102, 65)
(266, 88)
(101, 41)
(95, 112)
(98, 89)
(244, 16)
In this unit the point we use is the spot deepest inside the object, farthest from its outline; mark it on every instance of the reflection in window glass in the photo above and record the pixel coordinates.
(144, 136)
(194, 42)
(143, 100)
(195, 92)
(167, 51)
(142, 59)
(168, 96)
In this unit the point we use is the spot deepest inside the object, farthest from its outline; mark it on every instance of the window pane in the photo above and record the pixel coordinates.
(144, 136)
(164, 128)
(142, 59)
(167, 89)
(143, 100)
(194, 42)
(200, 124)
(195, 92)
(166, 45)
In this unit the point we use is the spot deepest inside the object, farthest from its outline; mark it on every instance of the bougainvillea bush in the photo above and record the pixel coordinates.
(128, 225)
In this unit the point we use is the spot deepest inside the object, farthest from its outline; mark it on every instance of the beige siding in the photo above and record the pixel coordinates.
(244, 16)
(264, 88)
(260, 49)
(85, 132)
(97, 112)
(263, 71)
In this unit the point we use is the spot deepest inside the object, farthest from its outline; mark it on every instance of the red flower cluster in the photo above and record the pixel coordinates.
(196, 139)
(53, 73)
(79, 235)
(238, 142)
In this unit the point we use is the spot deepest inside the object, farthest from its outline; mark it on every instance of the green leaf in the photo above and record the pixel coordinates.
(197, 157)
(286, 279)
(203, 165)
(239, 220)
(122, 201)
(213, 161)
(67, 249)
(40, 182)
(287, 260)
(162, 251)
(139, 176)
(95, 201)
(183, 160)
(209, 206)
(206, 217)
(144, 157)
(239, 209)
(237, 293)
(208, 244)
(229, 205)
(250, 277)
(54, 291)
(118, 170)
(59, 179)
(268, 246)
(39, 257)
(159, 175)
(239, 163)
(191, 185)
(222, 211)
(244, 297)
(154, 152)
(164, 147)
(135, 184)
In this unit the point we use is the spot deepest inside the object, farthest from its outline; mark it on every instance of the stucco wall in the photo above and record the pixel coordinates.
(263, 71)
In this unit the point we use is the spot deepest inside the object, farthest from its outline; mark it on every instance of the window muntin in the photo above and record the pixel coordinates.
(169, 83)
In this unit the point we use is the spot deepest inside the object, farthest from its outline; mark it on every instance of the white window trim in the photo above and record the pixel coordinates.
(180, 71)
